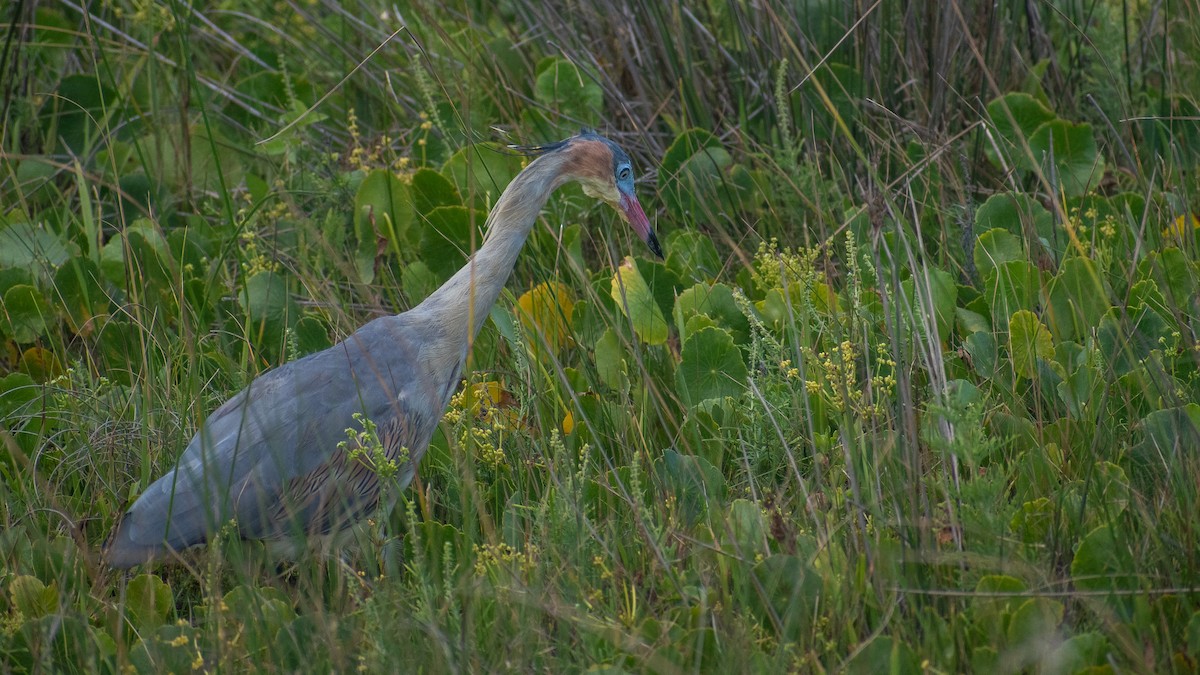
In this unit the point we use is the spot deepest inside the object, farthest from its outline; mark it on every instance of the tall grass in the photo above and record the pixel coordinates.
(898, 481)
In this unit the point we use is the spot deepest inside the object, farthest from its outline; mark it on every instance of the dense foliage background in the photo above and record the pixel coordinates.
(915, 388)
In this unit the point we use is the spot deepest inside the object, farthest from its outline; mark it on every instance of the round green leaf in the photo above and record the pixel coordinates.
(446, 238)
(1021, 215)
(692, 255)
(995, 247)
(265, 298)
(32, 247)
(711, 366)
(694, 480)
(1067, 154)
(938, 293)
(148, 600)
(25, 313)
(16, 390)
(1098, 564)
(1079, 297)
(1034, 622)
(481, 172)
(311, 335)
(699, 180)
(565, 89)
(431, 189)
(33, 598)
(786, 595)
(1014, 116)
(80, 288)
(717, 303)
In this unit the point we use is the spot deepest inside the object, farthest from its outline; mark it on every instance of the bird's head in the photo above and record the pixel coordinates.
(605, 172)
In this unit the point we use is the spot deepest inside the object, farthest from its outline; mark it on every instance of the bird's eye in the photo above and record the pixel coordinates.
(624, 173)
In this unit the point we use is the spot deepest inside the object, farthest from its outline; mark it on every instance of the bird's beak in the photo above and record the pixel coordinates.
(633, 213)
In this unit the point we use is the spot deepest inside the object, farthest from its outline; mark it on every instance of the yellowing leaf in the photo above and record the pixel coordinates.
(1178, 231)
(632, 295)
(546, 311)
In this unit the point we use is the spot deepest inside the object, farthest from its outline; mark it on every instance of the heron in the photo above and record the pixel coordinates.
(272, 461)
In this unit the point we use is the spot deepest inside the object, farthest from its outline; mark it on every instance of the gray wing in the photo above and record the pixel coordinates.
(269, 457)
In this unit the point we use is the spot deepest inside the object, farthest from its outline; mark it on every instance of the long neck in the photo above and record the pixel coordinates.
(467, 298)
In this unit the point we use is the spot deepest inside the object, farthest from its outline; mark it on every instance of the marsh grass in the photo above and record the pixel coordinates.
(960, 431)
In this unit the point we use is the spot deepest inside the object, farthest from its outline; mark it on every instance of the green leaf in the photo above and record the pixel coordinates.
(148, 601)
(265, 299)
(692, 255)
(79, 110)
(695, 482)
(448, 236)
(481, 172)
(1014, 116)
(1167, 437)
(1174, 273)
(26, 313)
(993, 601)
(711, 366)
(1079, 653)
(610, 361)
(885, 655)
(748, 529)
(33, 248)
(996, 247)
(262, 611)
(1034, 623)
(33, 598)
(699, 180)
(1128, 335)
(1098, 564)
(431, 189)
(981, 346)
(16, 390)
(1023, 216)
(382, 209)
(1067, 155)
(938, 293)
(716, 302)
(1078, 298)
(1028, 341)
(842, 88)
(1110, 491)
(81, 292)
(1014, 285)
(418, 281)
(787, 595)
(311, 335)
(637, 303)
(1032, 522)
(562, 87)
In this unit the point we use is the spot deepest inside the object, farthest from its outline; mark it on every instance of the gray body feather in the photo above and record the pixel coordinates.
(269, 457)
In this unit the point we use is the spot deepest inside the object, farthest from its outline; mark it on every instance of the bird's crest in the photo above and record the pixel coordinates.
(538, 150)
